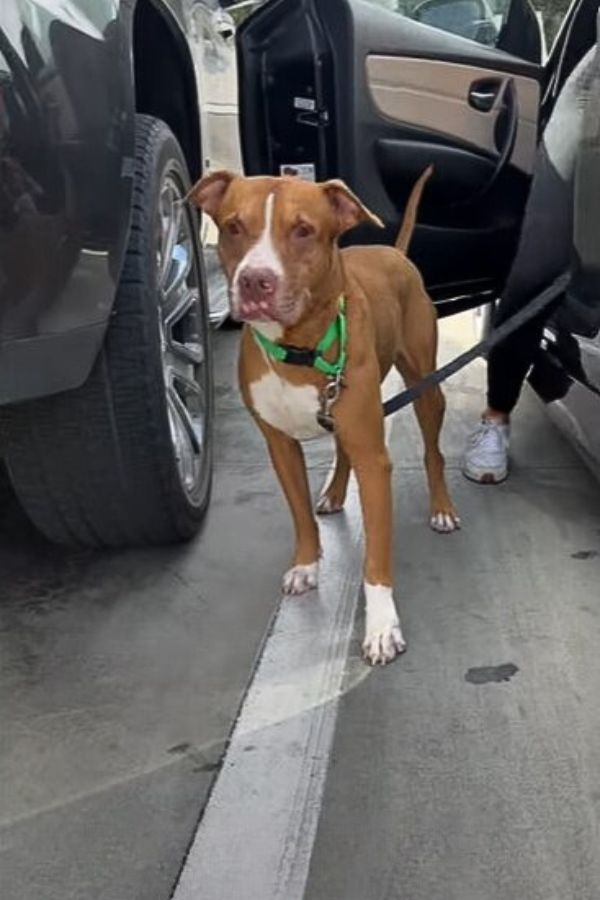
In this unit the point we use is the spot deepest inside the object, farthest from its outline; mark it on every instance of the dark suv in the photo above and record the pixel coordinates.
(106, 109)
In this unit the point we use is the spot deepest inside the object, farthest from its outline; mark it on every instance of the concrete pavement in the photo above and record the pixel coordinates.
(465, 771)
(121, 676)
(469, 770)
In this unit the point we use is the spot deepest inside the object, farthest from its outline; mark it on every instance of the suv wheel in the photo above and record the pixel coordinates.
(127, 458)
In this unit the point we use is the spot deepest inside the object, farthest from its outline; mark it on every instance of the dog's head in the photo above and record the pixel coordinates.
(277, 239)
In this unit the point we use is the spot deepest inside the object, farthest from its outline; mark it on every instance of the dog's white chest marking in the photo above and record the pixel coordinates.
(289, 407)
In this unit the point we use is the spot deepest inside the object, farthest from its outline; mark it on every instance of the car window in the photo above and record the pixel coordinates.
(551, 14)
(477, 20)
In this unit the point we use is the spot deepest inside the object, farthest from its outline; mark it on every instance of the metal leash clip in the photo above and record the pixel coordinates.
(327, 398)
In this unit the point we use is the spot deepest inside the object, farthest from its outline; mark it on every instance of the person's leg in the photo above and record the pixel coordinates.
(542, 255)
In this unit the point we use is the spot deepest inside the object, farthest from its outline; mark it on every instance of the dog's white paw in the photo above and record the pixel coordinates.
(445, 522)
(300, 579)
(383, 645)
(383, 636)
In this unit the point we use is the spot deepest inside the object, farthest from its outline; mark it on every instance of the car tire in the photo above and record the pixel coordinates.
(126, 459)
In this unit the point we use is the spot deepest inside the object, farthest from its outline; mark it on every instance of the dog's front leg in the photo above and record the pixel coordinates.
(288, 461)
(370, 460)
(383, 635)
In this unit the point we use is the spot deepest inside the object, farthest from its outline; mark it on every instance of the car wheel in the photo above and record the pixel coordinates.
(127, 458)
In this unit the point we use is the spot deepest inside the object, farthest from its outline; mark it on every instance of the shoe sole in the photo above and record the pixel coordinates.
(485, 477)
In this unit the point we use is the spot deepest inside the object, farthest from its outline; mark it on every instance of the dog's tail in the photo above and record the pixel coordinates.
(410, 213)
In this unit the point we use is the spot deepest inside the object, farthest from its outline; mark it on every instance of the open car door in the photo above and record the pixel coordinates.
(357, 90)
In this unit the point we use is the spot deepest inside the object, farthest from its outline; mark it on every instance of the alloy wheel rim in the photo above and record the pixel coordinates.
(182, 334)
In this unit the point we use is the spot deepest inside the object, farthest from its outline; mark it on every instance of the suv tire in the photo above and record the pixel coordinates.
(126, 459)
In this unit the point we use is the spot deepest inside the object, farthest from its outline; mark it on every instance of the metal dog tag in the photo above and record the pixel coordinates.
(325, 420)
(329, 395)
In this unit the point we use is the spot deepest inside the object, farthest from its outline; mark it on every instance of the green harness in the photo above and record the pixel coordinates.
(303, 356)
(315, 359)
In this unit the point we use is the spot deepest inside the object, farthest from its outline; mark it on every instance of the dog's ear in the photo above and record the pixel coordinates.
(207, 194)
(347, 208)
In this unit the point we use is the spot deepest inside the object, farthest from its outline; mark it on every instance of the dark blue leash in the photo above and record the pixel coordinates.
(548, 296)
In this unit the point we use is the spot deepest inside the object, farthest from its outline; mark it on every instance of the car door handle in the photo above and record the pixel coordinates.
(482, 100)
(485, 94)
(505, 96)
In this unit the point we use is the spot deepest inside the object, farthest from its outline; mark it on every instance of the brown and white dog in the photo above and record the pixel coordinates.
(278, 246)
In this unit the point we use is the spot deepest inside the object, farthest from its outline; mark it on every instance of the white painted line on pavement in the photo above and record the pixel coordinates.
(256, 836)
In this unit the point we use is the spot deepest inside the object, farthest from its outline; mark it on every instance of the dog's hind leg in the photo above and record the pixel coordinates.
(416, 359)
(333, 494)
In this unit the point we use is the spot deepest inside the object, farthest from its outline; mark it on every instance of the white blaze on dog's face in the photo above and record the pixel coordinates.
(277, 237)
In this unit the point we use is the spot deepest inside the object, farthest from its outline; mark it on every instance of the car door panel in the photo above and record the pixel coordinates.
(390, 96)
(435, 97)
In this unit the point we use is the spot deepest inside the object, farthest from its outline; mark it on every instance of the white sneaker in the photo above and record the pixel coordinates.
(486, 456)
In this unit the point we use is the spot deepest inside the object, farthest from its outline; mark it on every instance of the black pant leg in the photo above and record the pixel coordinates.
(545, 244)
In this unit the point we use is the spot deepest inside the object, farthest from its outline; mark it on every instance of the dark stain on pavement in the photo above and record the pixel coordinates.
(491, 674)
(180, 748)
(585, 554)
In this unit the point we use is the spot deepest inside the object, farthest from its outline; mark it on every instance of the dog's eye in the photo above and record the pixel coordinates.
(233, 229)
(303, 230)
